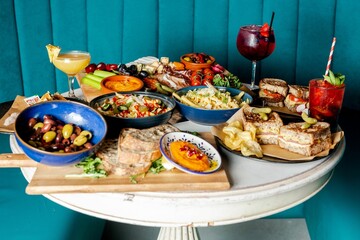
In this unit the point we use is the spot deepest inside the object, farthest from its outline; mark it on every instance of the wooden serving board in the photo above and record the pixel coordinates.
(49, 179)
(54, 180)
(89, 92)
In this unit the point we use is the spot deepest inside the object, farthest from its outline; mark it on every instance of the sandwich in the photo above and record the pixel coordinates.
(134, 151)
(266, 122)
(307, 141)
(297, 96)
(273, 91)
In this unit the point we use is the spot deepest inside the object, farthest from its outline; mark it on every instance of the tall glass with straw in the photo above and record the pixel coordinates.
(326, 95)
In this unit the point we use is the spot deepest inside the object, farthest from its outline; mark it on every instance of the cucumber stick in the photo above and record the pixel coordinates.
(103, 74)
(91, 82)
(94, 77)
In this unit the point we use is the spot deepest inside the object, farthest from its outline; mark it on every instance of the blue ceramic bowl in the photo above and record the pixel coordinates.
(68, 112)
(208, 116)
(115, 124)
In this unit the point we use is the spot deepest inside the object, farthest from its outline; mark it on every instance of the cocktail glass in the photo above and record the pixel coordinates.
(255, 45)
(71, 63)
(325, 101)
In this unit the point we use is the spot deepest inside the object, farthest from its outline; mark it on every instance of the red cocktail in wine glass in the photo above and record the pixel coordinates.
(255, 42)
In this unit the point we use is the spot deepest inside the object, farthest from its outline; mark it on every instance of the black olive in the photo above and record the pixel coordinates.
(121, 67)
(143, 74)
(133, 70)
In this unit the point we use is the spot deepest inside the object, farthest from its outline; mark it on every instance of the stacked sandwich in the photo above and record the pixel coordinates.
(297, 98)
(273, 91)
(307, 141)
(266, 122)
(307, 138)
(277, 93)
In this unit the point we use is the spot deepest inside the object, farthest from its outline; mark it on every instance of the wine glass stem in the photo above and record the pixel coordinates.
(253, 74)
(71, 80)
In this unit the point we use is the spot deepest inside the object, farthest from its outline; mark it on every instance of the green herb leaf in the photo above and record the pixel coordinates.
(92, 167)
(335, 79)
(156, 166)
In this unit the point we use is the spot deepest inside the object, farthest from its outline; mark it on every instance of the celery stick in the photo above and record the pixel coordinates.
(103, 74)
(94, 77)
(91, 83)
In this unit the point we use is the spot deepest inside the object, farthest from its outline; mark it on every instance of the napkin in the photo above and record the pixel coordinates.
(7, 122)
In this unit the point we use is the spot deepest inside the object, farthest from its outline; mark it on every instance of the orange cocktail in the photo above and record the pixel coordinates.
(72, 62)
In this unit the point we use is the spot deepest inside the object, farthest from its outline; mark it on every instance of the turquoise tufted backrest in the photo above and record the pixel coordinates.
(124, 30)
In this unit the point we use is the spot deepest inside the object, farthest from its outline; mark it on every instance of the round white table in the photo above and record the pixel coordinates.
(258, 189)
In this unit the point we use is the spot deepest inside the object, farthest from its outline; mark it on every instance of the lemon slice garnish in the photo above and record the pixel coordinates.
(53, 51)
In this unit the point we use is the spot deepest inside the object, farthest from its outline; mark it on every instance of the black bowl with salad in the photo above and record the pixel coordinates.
(137, 109)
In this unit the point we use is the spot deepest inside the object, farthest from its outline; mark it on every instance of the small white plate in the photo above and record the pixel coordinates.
(203, 145)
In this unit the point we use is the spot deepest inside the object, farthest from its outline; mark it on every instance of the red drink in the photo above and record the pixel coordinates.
(255, 44)
(325, 101)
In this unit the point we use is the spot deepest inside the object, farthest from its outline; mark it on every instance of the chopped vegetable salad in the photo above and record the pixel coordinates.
(132, 106)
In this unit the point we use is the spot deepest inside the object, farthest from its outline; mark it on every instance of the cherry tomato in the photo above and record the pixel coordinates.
(208, 71)
(207, 78)
(110, 67)
(101, 66)
(195, 80)
(90, 68)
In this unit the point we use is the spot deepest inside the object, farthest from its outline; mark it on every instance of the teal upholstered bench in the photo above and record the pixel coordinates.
(122, 31)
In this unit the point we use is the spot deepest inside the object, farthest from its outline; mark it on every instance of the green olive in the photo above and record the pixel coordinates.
(67, 130)
(80, 140)
(86, 133)
(38, 125)
(305, 125)
(263, 116)
(49, 136)
(32, 143)
(308, 119)
(261, 110)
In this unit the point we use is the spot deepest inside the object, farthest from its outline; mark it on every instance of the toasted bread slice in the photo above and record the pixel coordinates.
(144, 139)
(131, 169)
(299, 91)
(274, 85)
(266, 130)
(306, 141)
(129, 156)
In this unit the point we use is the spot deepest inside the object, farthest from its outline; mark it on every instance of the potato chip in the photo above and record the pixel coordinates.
(238, 140)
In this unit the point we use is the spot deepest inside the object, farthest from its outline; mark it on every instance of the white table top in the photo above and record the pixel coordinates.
(258, 189)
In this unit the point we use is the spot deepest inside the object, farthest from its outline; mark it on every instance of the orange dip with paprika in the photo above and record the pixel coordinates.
(121, 83)
(189, 156)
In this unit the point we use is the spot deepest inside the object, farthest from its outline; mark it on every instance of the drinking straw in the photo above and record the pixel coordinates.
(271, 21)
(330, 56)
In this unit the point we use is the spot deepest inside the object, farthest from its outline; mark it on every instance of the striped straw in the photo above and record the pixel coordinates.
(330, 56)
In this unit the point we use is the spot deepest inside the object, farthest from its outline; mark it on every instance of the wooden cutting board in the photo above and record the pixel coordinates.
(49, 179)
(54, 180)
(89, 92)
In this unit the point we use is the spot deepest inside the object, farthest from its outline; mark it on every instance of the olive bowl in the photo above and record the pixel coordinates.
(208, 117)
(115, 123)
(68, 112)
